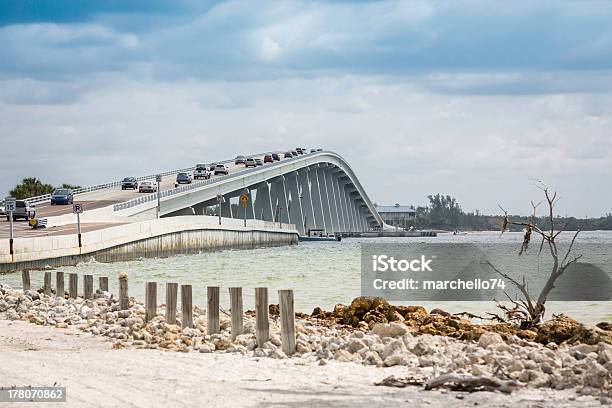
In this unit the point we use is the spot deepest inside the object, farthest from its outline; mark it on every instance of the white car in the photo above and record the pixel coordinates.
(201, 172)
(221, 169)
(147, 187)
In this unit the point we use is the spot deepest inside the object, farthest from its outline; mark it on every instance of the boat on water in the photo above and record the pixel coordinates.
(457, 232)
(319, 235)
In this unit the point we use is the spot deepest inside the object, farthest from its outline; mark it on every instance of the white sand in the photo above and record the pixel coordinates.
(96, 375)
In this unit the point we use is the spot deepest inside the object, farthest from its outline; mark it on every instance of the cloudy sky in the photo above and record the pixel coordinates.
(470, 98)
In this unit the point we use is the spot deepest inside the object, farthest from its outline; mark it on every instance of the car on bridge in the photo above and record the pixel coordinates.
(240, 160)
(183, 178)
(299, 150)
(259, 162)
(268, 158)
(23, 209)
(147, 187)
(221, 169)
(288, 155)
(62, 196)
(212, 166)
(276, 156)
(201, 172)
(294, 153)
(250, 162)
(129, 182)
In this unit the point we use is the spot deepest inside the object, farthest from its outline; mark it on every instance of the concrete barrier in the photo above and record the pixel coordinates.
(157, 237)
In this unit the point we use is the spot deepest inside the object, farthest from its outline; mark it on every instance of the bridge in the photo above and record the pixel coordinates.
(317, 190)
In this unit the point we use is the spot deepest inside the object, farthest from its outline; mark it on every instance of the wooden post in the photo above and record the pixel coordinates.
(73, 281)
(171, 293)
(186, 306)
(262, 324)
(25, 280)
(124, 301)
(103, 283)
(88, 286)
(47, 285)
(212, 310)
(59, 284)
(236, 307)
(285, 301)
(150, 300)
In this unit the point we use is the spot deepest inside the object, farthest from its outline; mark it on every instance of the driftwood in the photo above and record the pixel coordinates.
(401, 382)
(471, 383)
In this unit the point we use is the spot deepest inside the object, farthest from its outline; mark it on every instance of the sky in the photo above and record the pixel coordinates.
(475, 99)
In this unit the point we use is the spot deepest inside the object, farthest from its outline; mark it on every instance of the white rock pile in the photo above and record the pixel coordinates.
(586, 368)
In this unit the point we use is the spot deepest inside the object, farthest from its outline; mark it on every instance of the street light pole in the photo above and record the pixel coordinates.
(219, 197)
(158, 179)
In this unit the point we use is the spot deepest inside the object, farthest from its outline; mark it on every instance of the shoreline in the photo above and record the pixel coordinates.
(95, 336)
(96, 375)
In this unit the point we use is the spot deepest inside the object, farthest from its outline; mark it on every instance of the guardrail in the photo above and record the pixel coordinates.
(196, 184)
(47, 197)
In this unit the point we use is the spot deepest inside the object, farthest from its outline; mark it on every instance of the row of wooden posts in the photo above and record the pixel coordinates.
(262, 323)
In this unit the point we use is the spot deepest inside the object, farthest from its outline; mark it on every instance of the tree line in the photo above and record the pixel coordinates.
(444, 212)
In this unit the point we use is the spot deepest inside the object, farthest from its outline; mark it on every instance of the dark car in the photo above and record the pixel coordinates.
(299, 150)
(24, 210)
(183, 178)
(294, 153)
(313, 150)
(240, 160)
(276, 157)
(129, 182)
(212, 166)
(268, 158)
(288, 155)
(62, 196)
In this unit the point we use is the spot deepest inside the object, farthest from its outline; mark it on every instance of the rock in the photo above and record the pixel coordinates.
(274, 310)
(344, 356)
(278, 353)
(370, 310)
(439, 312)
(276, 340)
(397, 358)
(393, 347)
(389, 329)
(355, 345)
(489, 339)
(421, 347)
(372, 358)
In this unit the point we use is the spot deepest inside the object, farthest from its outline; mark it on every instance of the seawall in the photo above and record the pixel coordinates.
(152, 238)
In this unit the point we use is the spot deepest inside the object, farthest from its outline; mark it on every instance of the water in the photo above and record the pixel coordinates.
(321, 274)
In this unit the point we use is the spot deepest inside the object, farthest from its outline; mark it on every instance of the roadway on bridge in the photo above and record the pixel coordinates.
(91, 201)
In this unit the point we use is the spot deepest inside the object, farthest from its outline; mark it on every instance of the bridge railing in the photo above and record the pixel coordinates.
(47, 197)
(196, 184)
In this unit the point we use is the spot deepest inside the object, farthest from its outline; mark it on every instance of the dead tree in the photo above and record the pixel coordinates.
(530, 311)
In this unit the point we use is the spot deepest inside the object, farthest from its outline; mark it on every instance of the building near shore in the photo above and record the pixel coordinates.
(401, 216)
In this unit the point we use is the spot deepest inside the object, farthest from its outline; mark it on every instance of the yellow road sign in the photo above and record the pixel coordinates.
(244, 199)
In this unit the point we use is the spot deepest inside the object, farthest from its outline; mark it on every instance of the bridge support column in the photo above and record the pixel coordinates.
(325, 203)
(333, 204)
(317, 201)
(262, 206)
(226, 207)
(295, 206)
(279, 200)
(338, 199)
(307, 208)
(349, 208)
